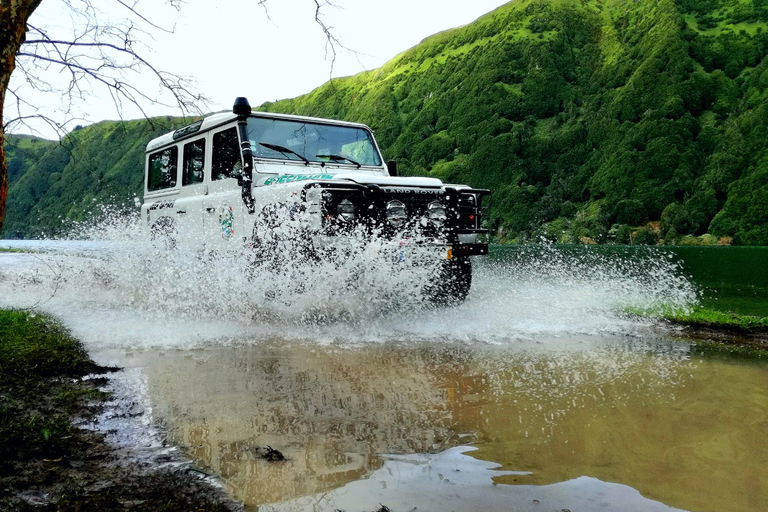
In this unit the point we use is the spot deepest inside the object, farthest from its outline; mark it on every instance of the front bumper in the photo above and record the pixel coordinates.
(413, 248)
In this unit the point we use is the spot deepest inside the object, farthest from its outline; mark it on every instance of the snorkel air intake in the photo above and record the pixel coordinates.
(242, 109)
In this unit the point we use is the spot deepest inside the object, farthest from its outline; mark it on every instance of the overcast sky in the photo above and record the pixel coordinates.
(236, 49)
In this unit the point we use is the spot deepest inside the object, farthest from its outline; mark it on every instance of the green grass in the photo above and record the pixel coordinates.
(713, 319)
(39, 393)
(34, 345)
(716, 332)
(702, 317)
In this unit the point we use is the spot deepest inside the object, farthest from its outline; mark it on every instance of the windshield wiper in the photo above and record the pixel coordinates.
(339, 158)
(284, 150)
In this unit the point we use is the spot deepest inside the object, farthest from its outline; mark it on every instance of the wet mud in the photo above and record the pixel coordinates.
(85, 470)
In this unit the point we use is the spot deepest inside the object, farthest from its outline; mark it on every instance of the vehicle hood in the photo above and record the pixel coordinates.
(392, 181)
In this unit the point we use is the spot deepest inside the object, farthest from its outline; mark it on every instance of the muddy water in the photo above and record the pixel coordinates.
(684, 430)
(536, 394)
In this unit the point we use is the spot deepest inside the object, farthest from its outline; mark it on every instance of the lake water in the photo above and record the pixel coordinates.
(730, 278)
(536, 394)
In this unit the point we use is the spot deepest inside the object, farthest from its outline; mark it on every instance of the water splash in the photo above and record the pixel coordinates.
(130, 292)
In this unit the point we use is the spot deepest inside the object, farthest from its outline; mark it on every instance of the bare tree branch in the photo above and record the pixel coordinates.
(332, 43)
(106, 55)
(99, 55)
(263, 3)
(174, 83)
(132, 8)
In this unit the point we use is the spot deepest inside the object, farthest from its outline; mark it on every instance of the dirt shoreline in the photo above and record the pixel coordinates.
(54, 455)
(727, 338)
(94, 474)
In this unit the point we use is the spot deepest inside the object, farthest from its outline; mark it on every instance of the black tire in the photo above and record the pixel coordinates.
(163, 233)
(267, 238)
(451, 284)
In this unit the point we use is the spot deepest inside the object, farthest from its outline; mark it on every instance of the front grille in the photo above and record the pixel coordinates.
(463, 210)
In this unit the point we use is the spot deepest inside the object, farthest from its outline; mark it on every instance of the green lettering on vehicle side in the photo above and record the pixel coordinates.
(289, 178)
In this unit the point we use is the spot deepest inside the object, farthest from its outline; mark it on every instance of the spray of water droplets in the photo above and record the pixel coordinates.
(112, 274)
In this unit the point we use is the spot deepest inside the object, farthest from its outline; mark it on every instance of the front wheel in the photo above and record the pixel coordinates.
(280, 240)
(451, 282)
(163, 234)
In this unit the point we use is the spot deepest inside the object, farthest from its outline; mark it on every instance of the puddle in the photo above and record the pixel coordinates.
(454, 480)
(548, 420)
(535, 394)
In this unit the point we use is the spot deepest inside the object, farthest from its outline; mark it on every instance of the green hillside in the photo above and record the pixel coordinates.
(587, 118)
(591, 120)
(54, 183)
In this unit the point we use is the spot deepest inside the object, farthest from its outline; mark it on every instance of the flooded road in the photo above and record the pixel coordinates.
(536, 394)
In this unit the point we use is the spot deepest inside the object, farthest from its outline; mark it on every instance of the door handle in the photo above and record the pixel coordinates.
(181, 212)
(210, 209)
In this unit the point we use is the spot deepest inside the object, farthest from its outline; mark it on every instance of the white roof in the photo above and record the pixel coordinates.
(220, 118)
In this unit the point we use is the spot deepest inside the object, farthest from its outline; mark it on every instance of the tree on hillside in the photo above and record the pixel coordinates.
(101, 52)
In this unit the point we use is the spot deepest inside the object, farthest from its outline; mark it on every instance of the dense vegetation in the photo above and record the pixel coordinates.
(591, 120)
(54, 183)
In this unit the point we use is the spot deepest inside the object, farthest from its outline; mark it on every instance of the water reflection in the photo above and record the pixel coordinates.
(648, 416)
(329, 410)
(453, 480)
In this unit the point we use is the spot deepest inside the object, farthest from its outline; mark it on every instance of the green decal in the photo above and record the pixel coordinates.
(227, 221)
(290, 178)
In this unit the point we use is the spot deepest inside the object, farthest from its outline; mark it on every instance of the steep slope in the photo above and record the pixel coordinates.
(586, 118)
(591, 120)
(52, 183)
(33, 166)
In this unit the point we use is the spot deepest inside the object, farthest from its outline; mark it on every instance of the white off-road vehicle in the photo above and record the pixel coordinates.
(314, 187)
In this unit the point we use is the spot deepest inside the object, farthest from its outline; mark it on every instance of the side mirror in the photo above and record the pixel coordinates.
(392, 167)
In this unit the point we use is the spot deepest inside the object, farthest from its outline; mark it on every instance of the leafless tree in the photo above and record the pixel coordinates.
(13, 28)
(99, 53)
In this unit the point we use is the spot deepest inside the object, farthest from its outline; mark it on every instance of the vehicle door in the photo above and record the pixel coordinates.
(189, 204)
(161, 193)
(223, 206)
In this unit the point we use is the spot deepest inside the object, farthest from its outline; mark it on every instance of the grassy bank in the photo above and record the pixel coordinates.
(50, 464)
(718, 320)
(37, 364)
(712, 328)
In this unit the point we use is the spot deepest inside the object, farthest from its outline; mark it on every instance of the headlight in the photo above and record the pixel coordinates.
(346, 210)
(436, 213)
(396, 213)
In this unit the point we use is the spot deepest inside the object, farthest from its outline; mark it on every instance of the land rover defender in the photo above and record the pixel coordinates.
(238, 179)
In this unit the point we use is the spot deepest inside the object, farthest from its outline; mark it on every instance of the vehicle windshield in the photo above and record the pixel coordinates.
(305, 142)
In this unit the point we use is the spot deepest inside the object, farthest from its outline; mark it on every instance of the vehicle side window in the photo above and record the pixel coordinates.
(226, 155)
(194, 156)
(162, 169)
